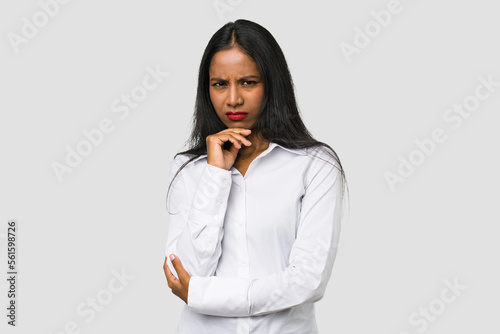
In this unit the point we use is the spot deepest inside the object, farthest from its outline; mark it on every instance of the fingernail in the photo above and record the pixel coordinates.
(172, 257)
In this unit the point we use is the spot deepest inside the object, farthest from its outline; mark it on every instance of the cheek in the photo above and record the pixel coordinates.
(214, 98)
(259, 96)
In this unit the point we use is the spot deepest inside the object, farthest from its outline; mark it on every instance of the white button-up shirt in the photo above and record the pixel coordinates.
(260, 248)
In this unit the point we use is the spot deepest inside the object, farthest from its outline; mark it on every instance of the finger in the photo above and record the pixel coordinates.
(236, 130)
(165, 264)
(238, 133)
(229, 137)
(243, 139)
(178, 267)
(222, 138)
(166, 269)
(234, 151)
(170, 276)
(167, 275)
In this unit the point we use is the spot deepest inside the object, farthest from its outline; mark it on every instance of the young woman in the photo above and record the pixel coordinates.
(258, 200)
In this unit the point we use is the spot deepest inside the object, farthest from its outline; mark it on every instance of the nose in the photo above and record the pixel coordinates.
(234, 98)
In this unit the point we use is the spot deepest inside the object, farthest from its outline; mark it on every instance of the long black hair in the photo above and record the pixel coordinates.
(279, 119)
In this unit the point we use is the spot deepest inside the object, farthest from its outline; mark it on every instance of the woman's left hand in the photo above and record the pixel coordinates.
(179, 286)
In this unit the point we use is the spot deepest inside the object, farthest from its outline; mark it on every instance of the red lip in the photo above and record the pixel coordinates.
(236, 113)
(237, 117)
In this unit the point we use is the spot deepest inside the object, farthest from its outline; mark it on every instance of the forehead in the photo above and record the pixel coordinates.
(232, 62)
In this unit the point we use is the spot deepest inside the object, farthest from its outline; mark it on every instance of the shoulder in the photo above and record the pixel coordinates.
(181, 159)
(320, 155)
(323, 163)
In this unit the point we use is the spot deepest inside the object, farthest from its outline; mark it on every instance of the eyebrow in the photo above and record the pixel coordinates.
(243, 78)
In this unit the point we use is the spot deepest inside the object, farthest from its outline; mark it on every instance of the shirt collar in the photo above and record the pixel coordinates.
(272, 145)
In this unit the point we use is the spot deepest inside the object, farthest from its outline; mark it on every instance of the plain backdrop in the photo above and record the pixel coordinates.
(401, 247)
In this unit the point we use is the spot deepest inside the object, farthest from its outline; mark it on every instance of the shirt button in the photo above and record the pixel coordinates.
(240, 224)
(241, 189)
(243, 263)
(226, 181)
(219, 201)
(216, 217)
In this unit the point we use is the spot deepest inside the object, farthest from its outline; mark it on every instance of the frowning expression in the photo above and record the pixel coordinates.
(236, 88)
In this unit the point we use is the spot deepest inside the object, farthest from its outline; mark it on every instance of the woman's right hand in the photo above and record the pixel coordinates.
(216, 154)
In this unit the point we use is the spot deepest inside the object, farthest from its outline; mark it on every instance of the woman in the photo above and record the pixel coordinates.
(258, 199)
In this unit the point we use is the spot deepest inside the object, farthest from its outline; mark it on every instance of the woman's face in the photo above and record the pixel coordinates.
(235, 86)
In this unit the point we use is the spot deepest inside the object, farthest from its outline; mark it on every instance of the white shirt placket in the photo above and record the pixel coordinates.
(239, 228)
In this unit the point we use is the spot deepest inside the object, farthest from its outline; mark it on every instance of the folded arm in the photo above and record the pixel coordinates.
(310, 262)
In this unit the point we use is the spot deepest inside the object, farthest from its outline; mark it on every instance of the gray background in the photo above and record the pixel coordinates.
(398, 246)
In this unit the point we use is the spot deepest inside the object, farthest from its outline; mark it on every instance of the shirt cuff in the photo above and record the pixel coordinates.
(204, 296)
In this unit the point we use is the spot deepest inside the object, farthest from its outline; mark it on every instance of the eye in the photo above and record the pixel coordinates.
(218, 84)
(247, 83)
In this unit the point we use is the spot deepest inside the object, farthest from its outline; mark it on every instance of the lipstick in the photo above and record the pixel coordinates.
(236, 115)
